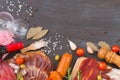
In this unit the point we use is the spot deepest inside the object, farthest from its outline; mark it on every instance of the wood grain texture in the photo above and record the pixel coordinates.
(78, 20)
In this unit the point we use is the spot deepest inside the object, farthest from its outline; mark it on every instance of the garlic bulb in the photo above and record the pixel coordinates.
(103, 44)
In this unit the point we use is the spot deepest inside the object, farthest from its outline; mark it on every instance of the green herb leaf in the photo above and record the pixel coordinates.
(79, 75)
(68, 77)
(19, 76)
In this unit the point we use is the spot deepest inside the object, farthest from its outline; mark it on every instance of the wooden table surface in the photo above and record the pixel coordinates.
(78, 20)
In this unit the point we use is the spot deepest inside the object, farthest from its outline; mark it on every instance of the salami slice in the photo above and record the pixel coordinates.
(6, 72)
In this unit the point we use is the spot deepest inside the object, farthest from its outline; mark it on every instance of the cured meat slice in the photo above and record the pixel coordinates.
(38, 66)
(89, 69)
(6, 72)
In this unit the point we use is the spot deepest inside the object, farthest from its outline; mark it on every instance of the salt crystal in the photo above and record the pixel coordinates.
(6, 1)
(19, 10)
(56, 39)
(61, 47)
(59, 35)
(23, 3)
(53, 49)
(26, 5)
(70, 51)
(8, 8)
(2, 6)
(27, 11)
(60, 41)
(11, 3)
(20, 6)
(55, 36)
(19, 1)
(30, 14)
(67, 45)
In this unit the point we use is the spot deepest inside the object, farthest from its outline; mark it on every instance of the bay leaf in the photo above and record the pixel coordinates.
(33, 31)
(40, 34)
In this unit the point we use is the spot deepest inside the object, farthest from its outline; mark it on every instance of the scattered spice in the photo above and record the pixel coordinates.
(55, 43)
(19, 7)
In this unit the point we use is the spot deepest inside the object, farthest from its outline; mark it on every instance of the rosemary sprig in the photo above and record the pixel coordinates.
(79, 75)
(68, 77)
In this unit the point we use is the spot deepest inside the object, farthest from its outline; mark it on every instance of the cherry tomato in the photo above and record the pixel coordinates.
(102, 66)
(80, 52)
(20, 60)
(115, 48)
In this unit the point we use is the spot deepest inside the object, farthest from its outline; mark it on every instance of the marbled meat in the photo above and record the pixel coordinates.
(38, 66)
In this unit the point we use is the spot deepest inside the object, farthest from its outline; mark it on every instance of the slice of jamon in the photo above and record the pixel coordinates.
(89, 69)
(6, 72)
(38, 66)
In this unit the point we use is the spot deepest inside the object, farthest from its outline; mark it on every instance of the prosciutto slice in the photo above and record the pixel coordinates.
(6, 37)
(6, 72)
(114, 74)
(89, 69)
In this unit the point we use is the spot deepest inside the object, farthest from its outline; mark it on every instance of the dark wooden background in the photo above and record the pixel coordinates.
(79, 20)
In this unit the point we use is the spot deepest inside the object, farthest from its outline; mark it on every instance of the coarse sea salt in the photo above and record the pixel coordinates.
(56, 43)
(18, 7)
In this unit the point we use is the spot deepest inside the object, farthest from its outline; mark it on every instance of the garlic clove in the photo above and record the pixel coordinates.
(103, 44)
(90, 51)
(92, 46)
(73, 46)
